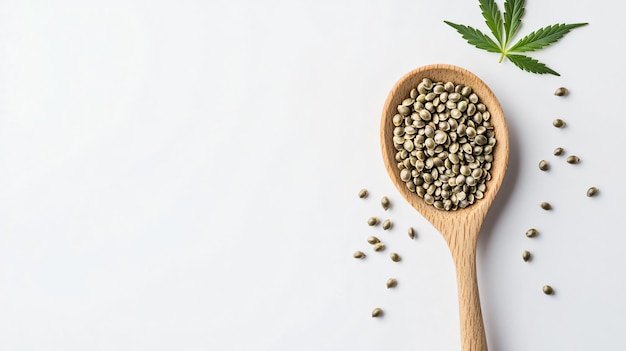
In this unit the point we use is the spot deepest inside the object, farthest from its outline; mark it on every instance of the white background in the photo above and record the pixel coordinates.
(183, 175)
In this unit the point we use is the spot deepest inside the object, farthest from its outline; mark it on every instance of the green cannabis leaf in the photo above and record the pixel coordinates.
(504, 29)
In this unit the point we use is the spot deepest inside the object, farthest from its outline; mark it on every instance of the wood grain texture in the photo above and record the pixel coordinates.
(459, 228)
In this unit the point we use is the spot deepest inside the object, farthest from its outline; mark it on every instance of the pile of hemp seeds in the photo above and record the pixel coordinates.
(378, 246)
(544, 166)
(444, 143)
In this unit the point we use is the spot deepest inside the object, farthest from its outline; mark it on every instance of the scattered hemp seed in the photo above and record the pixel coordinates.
(411, 233)
(592, 191)
(561, 91)
(558, 151)
(573, 159)
(526, 255)
(387, 224)
(395, 257)
(391, 283)
(532, 232)
(377, 312)
(546, 206)
(363, 193)
(373, 240)
(544, 165)
(547, 289)
(379, 247)
(359, 254)
(373, 221)
(385, 203)
(559, 123)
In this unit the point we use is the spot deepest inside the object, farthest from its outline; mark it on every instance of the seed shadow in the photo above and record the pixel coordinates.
(494, 215)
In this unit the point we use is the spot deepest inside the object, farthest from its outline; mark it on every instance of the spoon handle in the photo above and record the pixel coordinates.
(472, 328)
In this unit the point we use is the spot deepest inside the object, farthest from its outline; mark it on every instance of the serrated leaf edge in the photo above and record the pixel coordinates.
(543, 37)
(540, 68)
(493, 18)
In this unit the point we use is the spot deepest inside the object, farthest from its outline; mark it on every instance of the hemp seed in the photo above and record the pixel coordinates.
(532, 232)
(379, 247)
(377, 312)
(373, 221)
(561, 91)
(559, 123)
(592, 191)
(387, 224)
(385, 203)
(548, 290)
(373, 240)
(363, 193)
(573, 159)
(558, 151)
(392, 283)
(411, 232)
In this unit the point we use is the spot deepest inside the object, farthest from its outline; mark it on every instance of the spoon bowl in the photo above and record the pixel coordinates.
(459, 228)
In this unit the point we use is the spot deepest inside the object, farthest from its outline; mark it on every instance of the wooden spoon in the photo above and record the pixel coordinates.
(459, 228)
